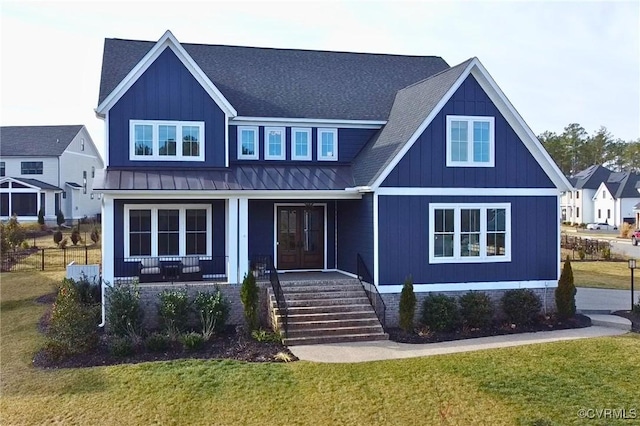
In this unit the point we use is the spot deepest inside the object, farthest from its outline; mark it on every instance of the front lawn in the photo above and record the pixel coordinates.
(601, 274)
(547, 383)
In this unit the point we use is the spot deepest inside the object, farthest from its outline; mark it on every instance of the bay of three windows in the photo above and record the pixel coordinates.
(275, 143)
(166, 140)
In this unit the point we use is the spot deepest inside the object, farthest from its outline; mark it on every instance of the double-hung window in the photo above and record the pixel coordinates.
(168, 230)
(327, 144)
(248, 143)
(274, 141)
(464, 233)
(300, 144)
(166, 140)
(31, 167)
(470, 141)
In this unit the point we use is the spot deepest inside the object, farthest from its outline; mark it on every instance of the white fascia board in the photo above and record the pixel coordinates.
(469, 192)
(412, 140)
(87, 138)
(521, 128)
(279, 195)
(167, 40)
(17, 180)
(471, 286)
(306, 122)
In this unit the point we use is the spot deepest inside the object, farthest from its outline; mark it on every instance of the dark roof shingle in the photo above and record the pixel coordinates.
(36, 141)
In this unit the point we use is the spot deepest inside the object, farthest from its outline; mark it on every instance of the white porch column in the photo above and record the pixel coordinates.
(107, 239)
(232, 240)
(243, 237)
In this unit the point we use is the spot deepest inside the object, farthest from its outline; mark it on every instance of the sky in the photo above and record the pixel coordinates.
(557, 62)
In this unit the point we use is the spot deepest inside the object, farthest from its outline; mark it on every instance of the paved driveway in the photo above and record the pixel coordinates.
(599, 299)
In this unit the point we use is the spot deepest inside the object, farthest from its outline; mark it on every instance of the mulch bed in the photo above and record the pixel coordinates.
(631, 316)
(234, 344)
(544, 324)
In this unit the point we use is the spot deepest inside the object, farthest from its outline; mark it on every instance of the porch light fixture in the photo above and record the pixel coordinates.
(632, 266)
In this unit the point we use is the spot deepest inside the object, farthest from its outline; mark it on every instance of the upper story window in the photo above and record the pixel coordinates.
(327, 144)
(470, 141)
(300, 144)
(84, 182)
(31, 167)
(467, 233)
(247, 143)
(2, 166)
(274, 141)
(82, 144)
(167, 140)
(577, 194)
(93, 172)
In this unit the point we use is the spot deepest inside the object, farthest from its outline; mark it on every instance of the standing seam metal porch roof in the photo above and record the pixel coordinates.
(255, 177)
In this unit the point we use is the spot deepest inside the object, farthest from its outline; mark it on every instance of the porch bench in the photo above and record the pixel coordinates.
(191, 270)
(149, 270)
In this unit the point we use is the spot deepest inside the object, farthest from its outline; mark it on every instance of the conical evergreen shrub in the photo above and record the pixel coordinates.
(566, 292)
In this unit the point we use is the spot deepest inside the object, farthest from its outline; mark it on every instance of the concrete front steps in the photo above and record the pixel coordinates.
(327, 311)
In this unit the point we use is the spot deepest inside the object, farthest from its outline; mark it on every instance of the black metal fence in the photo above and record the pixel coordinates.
(578, 248)
(45, 259)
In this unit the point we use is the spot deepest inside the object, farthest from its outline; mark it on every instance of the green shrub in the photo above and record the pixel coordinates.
(440, 312)
(250, 297)
(41, 217)
(263, 336)
(566, 292)
(173, 310)
(157, 342)
(88, 292)
(521, 306)
(4, 243)
(14, 233)
(407, 305)
(192, 341)
(476, 309)
(95, 235)
(57, 237)
(75, 236)
(60, 220)
(73, 327)
(582, 253)
(213, 311)
(120, 346)
(124, 314)
(64, 242)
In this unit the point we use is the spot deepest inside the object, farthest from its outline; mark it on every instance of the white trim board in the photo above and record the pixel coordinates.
(510, 114)
(221, 195)
(469, 286)
(306, 122)
(469, 192)
(167, 40)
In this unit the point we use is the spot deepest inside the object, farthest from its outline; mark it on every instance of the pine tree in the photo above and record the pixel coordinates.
(407, 305)
(566, 293)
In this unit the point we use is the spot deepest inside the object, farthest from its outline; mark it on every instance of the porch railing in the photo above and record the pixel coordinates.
(263, 267)
(366, 280)
(171, 269)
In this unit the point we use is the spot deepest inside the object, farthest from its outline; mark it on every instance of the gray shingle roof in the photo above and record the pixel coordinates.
(243, 177)
(264, 82)
(411, 107)
(33, 182)
(36, 141)
(590, 178)
(623, 184)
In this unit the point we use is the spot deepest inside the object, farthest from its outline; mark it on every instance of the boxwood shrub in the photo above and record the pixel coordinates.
(476, 309)
(440, 312)
(521, 306)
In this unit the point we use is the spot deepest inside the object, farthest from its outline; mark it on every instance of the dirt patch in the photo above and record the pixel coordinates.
(544, 324)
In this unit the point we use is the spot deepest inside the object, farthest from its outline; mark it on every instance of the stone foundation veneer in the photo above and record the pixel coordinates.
(392, 302)
(149, 300)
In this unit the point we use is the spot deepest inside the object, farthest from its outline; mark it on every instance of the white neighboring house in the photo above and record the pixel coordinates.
(49, 168)
(577, 206)
(616, 198)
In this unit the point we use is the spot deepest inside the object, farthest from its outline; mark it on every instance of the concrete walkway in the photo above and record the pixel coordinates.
(590, 300)
(386, 349)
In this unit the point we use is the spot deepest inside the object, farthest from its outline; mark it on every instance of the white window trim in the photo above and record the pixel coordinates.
(470, 120)
(307, 131)
(256, 153)
(335, 144)
(457, 258)
(156, 142)
(283, 143)
(182, 227)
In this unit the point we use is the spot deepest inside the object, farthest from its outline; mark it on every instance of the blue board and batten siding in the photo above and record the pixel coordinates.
(350, 142)
(424, 165)
(218, 225)
(404, 241)
(166, 91)
(355, 233)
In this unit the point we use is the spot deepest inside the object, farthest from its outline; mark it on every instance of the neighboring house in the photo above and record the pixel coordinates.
(577, 204)
(601, 195)
(48, 168)
(233, 153)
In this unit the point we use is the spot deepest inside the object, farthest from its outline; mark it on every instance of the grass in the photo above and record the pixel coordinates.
(546, 383)
(601, 274)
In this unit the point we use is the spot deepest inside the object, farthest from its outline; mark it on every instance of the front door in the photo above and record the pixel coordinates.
(300, 237)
